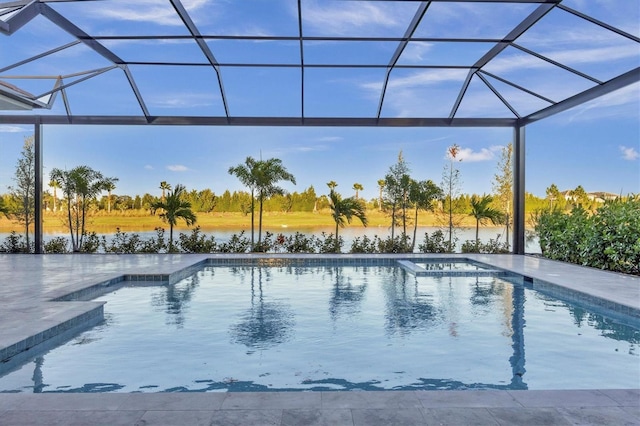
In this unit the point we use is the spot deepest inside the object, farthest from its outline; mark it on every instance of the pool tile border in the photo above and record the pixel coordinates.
(70, 326)
(610, 308)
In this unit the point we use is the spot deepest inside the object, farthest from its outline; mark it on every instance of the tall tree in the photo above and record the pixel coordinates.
(503, 185)
(109, 186)
(165, 187)
(396, 188)
(553, 194)
(344, 209)
(268, 174)
(80, 185)
(357, 187)
(332, 184)
(422, 194)
(54, 186)
(24, 192)
(580, 197)
(174, 208)
(381, 187)
(451, 185)
(482, 211)
(247, 174)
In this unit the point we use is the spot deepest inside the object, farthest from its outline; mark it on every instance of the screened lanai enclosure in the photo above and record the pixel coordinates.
(439, 63)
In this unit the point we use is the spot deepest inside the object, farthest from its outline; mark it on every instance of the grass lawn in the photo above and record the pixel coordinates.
(140, 221)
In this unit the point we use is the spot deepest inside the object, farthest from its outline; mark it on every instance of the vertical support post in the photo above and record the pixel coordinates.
(38, 187)
(518, 189)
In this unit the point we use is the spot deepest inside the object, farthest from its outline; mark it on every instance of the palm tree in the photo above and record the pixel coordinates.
(381, 183)
(332, 184)
(421, 195)
(109, 186)
(481, 210)
(344, 210)
(357, 187)
(53, 184)
(267, 174)
(246, 173)
(80, 186)
(174, 208)
(165, 187)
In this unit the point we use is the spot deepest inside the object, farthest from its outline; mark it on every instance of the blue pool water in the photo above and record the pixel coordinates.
(251, 328)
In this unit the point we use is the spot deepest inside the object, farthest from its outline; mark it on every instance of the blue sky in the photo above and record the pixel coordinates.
(596, 145)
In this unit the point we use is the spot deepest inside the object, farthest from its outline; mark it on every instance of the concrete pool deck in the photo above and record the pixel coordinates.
(29, 283)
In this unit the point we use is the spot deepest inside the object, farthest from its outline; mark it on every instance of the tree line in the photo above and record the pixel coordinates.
(82, 191)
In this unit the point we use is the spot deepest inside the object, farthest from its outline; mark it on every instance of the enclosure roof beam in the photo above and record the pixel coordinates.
(191, 26)
(21, 17)
(259, 121)
(614, 84)
(403, 44)
(526, 23)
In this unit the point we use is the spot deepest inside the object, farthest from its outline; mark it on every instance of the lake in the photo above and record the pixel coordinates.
(348, 234)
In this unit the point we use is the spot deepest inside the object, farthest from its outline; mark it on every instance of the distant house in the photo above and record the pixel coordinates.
(601, 197)
(598, 197)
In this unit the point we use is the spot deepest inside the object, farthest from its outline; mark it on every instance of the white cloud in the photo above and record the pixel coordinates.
(177, 168)
(415, 51)
(313, 148)
(525, 62)
(420, 78)
(183, 100)
(468, 155)
(154, 11)
(623, 103)
(148, 167)
(629, 153)
(11, 129)
(330, 139)
(347, 17)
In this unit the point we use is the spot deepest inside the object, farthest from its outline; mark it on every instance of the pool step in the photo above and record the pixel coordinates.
(419, 271)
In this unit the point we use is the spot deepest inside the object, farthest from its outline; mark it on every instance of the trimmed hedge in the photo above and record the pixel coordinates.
(608, 239)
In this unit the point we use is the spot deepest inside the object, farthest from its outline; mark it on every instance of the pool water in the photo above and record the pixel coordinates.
(251, 328)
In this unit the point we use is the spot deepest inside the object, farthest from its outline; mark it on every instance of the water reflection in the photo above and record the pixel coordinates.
(407, 307)
(175, 299)
(485, 293)
(38, 382)
(266, 323)
(517, 360)
(346, 296)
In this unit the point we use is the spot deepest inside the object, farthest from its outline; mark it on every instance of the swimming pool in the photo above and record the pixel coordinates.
(281, 326)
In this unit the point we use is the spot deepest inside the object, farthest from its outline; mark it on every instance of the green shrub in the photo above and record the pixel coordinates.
(91, 243)
(613, 242)
(491, 247)
(15, 243)
(196, 242)
(608, 239)
(154, 245)
(238, 243)
(326, 243)
(436, 243)
(57, 245)
(299, 243)
(122, 243)
(397, 244)
(365, 244)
